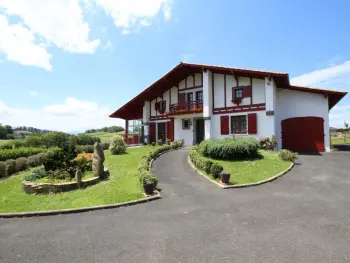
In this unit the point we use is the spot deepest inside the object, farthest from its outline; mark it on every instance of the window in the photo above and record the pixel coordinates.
(238, 93)
(186, 124)
(239, 124)
(199, 95)
(189, 96)
(162, 106)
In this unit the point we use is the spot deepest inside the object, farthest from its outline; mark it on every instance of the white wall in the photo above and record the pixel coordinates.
(291, 103)
(174, 98)
(258, 91)
(187, 135)
(182, 84)
(262, 129)
(198, 79)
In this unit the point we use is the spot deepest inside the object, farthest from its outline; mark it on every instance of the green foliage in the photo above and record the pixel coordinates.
(160, 142)
(230, 149)
(21, 164)
(216, 169)
(144, 172)
(60, 159)
(168, 141)
(267, 143)
(2, 169)
(34, 161)
(287, 155)
(85, 148)
(10, 167)
(36, 174)
(118, 145)
(153, 144)
(106, 129)
(81, 163)
(6, 154)
(105, 146)
(199, 161)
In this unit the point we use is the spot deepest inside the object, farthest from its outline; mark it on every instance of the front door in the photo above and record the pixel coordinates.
(199, 130)
(161, 131)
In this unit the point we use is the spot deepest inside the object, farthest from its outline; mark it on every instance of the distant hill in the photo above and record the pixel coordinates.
(106, 129)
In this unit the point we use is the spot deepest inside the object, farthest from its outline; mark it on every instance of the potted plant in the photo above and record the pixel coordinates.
(237, 101)
(225, 177)
(148, 186)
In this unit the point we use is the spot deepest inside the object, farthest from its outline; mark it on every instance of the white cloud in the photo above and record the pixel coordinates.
(43, 24)
(71, 115)
(33, 93)
(18, 44)
(318, 76)
(130, 14)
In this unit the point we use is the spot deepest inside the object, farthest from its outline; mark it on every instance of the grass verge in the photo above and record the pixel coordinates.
(123, 185)
(252, 171)
(337, 140)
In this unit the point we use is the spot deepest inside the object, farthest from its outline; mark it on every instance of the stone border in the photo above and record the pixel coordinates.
(82, 209)
(47, 188)
(223, 186)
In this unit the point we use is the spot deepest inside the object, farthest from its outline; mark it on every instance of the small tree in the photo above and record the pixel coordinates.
(118, 145)
(346, 124)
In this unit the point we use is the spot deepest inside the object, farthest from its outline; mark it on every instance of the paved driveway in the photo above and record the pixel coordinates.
(302, 217)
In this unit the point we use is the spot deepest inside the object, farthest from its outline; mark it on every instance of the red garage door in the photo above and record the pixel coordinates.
(303, 134)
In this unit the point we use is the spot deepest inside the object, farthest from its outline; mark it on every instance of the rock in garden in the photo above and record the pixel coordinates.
(78, 176)
(97, 161)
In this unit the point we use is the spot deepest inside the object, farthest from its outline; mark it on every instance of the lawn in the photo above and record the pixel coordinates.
(104, 136)
(4, 141)
(337, 140)
(244, 172)
(123, 185)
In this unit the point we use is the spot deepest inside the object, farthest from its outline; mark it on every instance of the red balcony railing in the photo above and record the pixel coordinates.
(186, 108)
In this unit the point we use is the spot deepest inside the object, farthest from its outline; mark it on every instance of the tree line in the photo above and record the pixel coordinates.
(106, 129)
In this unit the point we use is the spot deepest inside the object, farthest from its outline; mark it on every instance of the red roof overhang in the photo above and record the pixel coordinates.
(133, 109)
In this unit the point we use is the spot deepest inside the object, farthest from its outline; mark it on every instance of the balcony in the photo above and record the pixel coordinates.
(189, 107)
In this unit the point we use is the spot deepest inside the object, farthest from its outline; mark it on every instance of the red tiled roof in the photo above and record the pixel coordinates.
(133, 108)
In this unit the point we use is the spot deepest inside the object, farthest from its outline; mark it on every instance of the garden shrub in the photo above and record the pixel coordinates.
(6, 154)
(199, 161)
(105, 146)
(21, 164)
(36, 174)
(118, 145)
(10, 167)
(268, 143)
(85, 148)
(230, 148)
(34, 160)
(60, 159)
(2, 169)
(153, 144)
(83, 162)
(144, 172)
(287, 155)
(215, 170)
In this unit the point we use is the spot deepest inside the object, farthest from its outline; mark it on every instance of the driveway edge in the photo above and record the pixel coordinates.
(82, 209)
(241, 185)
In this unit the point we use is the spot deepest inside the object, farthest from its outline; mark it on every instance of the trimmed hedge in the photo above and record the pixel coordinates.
(204, 164)
(22, 163)
(230, 149)
(6, 154)
(144, 171)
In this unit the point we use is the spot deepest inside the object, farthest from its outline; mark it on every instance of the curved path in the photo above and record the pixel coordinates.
(302, 217)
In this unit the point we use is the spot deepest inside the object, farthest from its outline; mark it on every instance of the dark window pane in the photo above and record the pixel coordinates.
(239, 124)
(238, 93)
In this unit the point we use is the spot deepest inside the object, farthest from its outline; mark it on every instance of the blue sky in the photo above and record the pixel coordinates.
(66, 64)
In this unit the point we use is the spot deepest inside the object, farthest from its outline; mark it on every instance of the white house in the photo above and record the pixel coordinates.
(196, 102)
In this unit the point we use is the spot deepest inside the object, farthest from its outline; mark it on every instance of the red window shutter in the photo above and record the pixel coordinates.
(252, 124)
(157, 106)
(247, 91)
(224, 122)
(152, 132)
(233, 94)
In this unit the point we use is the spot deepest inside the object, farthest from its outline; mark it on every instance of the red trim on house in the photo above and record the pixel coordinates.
(155, 106)
(194, 80)
(202, 78)
(225, 90)
(126, 130)
(243, 108)
(251, 93)
(186, 82)
(212, 90)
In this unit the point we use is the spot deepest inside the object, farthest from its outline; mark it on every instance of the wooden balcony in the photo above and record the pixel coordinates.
(186, 108)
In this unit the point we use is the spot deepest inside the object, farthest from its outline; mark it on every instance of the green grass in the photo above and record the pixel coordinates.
(123, 185)
(337, 140)
(4, 141)
(104, 136)
(245, 172)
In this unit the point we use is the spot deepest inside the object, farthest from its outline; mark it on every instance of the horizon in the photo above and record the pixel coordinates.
(70, 76)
